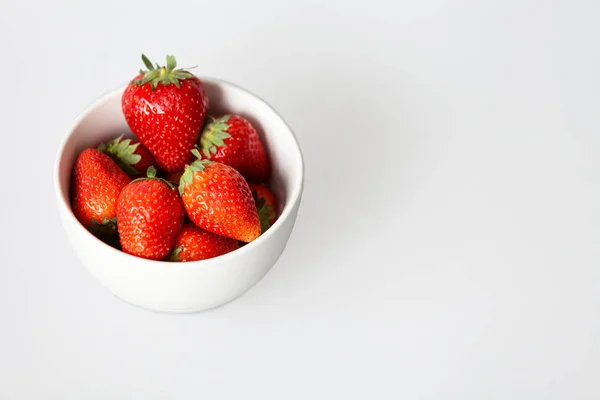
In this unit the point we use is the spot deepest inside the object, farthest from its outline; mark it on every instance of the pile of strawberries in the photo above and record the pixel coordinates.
(192, 187)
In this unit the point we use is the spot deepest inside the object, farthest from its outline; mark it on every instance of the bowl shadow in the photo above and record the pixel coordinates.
(350, 166)
(361, 139)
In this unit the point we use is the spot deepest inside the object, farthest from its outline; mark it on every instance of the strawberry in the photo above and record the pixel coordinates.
(150, 215)
(266, 204)
(218, 199)
(193, 244)
(165, 108)
(96, 184)
(130, 155)
(232, 140)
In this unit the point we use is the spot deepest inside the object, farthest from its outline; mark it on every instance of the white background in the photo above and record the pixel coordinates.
(447, 246)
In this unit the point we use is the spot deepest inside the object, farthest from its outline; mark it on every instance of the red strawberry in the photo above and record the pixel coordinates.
(150, 215)
(130, 155)
(266, 204)
(165, 108)
(97, 182)
(218, 199)
(232, 140)
(194, 244)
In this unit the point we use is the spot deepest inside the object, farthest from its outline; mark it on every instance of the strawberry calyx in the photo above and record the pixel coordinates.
(264, 211)
(123, 152)
(174, 254)
(166, 75)
(187, 178)
(151, 174)
(214, 134)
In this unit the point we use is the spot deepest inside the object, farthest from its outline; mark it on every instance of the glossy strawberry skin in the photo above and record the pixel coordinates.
(194, 244)
(218, 199)
(96, 184)
(150, 215)
(243, 150)
(168, 119)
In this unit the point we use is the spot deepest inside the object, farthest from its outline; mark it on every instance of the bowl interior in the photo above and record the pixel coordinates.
(104, 120)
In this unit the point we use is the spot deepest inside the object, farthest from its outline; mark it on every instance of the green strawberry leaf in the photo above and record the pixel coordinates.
(123, 152)
(174, 255)
(162, 75)
(217, 141)
(187, 178)
(196, 153)
(171, 63)
(147, 63)
(214, 135)
(264, 211)
(151, 172)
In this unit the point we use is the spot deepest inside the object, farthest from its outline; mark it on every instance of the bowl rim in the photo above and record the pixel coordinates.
(292, 198)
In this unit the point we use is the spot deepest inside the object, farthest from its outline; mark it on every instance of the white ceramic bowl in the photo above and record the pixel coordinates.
(198, 285)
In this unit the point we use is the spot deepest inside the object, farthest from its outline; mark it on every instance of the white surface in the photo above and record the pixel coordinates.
(190, 286)
(447, 244)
